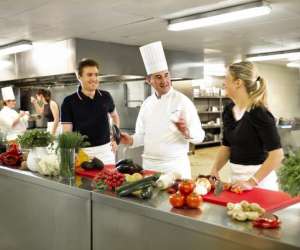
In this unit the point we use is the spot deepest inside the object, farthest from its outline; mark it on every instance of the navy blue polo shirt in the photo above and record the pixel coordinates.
(89, 116)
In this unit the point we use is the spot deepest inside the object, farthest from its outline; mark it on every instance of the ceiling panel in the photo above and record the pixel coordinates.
(137, 22)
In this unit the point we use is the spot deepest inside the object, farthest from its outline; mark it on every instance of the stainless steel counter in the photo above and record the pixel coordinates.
(41, 214)
(155, 225)
(54, 214)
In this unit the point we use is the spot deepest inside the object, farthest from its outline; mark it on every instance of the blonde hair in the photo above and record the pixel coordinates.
(255, 85)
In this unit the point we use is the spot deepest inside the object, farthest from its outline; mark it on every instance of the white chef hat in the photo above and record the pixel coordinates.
(154, 57)
(8, 93)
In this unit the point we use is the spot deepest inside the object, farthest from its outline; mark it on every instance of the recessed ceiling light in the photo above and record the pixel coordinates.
(277, 55)
(15, 47)
(223, 15)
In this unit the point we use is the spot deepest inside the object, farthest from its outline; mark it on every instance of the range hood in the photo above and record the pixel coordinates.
(118, 62)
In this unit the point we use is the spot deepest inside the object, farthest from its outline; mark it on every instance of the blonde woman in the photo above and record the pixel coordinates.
(250, 140)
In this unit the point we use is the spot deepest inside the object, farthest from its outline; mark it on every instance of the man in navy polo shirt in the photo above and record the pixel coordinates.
(87, 111)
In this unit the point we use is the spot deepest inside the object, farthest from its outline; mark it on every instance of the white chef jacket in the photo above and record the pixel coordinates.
(7, 118)
(165, 148)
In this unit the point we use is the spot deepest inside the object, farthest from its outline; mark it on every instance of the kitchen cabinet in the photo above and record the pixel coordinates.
(42, 213)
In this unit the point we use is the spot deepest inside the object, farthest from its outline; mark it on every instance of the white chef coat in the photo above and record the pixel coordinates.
(165, 148)
(7, 118)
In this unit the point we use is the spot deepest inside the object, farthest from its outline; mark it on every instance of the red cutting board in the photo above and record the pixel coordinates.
(268, 199)
(92, 173)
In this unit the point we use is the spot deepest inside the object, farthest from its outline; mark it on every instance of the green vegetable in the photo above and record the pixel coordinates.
(72, 140)
(289, 174)
(147, 193)
(135, 187)
(129, 188)
(35, 138)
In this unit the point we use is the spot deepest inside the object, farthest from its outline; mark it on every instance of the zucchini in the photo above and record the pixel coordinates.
(147, 193)
(134, 186)
(146, 179)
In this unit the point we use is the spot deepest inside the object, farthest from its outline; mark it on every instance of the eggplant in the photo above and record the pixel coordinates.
(124, 162)
(129, 168)
(87, 165)
(97, 163)
(138, 168)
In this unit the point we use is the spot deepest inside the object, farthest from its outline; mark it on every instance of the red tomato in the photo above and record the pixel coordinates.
(186, 187)
(194, 200)
(177, 200)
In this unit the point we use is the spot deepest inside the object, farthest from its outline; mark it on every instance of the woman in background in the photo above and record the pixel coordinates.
(48, 108)
(250, 141)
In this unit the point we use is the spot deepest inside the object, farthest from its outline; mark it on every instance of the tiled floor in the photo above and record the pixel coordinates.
(202, 161)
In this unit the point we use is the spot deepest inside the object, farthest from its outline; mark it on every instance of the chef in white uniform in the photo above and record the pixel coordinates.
(12, 123)
(167, 120)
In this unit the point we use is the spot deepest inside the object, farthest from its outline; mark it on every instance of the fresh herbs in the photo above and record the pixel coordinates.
(289, 174)
(35, 138)
(68, 143)
(72, 140)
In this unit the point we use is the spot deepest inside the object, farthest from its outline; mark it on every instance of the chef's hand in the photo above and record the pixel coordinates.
(114, 146)
(182, 127)
(242, 185)
(126, 139)
(215, 173)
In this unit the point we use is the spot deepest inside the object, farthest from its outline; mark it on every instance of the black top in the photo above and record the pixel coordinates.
(48, 113)
(89, 116)
(251, 137)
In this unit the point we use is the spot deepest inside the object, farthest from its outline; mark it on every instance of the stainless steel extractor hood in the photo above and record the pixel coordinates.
(118, 62)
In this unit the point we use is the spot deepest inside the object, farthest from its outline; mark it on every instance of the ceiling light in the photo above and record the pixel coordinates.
(224, 15)
(15, 47)
(293, 65)
(277, 55)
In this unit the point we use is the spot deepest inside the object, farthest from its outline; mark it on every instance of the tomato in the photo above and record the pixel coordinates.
(177, 200)
(194, 200)
(186, 187)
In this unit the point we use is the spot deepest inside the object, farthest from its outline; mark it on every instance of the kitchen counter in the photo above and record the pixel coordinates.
(42, 213)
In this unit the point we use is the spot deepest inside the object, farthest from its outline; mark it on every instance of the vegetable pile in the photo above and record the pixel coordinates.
(12, 157)
(244, 210)
(108, 180)
(186, 196)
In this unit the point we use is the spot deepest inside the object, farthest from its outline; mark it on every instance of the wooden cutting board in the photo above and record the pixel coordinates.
(268, 199)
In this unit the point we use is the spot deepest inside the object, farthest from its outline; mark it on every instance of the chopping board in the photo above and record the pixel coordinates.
(93, 172)
(268, 199)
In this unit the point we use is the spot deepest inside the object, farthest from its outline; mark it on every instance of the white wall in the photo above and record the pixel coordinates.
(283, 89)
